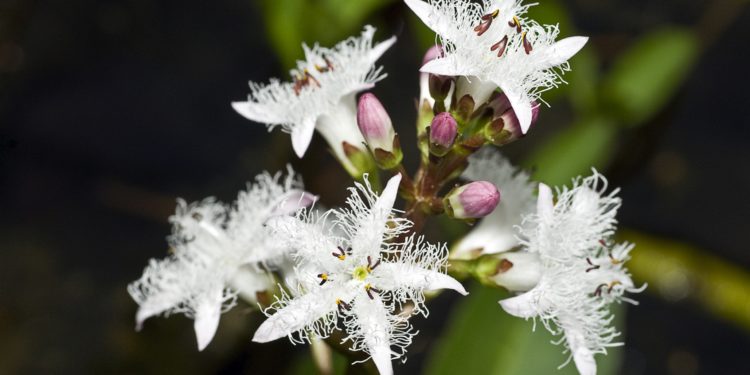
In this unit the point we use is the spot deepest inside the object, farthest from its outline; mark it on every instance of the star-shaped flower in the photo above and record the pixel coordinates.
(322, 94)
(580, 271)
(349, 268)
(493, 45)
(216, 251)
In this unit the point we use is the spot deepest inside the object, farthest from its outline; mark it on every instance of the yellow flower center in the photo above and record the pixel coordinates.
(360, 273)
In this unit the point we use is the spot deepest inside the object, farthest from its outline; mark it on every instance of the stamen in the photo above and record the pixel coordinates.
(598, 291)
(369, 289)
(371, 266)
(309, 76)
(500, 46)
(341, 254)
(613, 260)
(612, 285)
(197, 217)
(342, 305)
(593, 266)
(515, 23)
(323, 278)
(486, 22)
(323, 69)
(526, 43)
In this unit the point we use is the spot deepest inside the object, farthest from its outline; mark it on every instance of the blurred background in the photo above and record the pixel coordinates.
(110, 110)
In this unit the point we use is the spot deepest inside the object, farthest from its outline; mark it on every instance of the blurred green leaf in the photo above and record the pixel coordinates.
(304, 365)
(647, 75)
(483, 339)
(574, 151)
(677, 271)
(583, 81)
(289, 23)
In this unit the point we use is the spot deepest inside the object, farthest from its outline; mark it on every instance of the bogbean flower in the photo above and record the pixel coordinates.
(321, 96)
(351, 271)
(580, 271)
(496, 232)
(491, 44)
(216, 253)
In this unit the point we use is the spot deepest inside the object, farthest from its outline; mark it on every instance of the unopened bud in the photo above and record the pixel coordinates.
(505, 127)
(443, 130)
(377, 129)
(472, 201)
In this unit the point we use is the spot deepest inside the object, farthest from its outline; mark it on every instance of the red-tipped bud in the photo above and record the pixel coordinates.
(505, 127)
(377, 129)
(443, 131)
(472, 201)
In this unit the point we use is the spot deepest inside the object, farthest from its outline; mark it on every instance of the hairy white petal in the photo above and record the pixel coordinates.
(399, 275)
(321, 83)
(207, 313)
(524, 305)
(374, 327)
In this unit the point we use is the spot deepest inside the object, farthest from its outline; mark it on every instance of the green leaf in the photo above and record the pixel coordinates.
(574, 151)
(483, 339)
(647, 75)
(291, 22)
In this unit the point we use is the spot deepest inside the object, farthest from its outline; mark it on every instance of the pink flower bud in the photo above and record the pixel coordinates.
(374, 123)
(472, 201)
(443, 131)
(505, 127)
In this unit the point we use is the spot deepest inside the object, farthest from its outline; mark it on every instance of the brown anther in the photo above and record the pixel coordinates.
(323, 278)
(341, 254)
(369, 289)
(612, 285)
(603, 243)
(342, 305)
(613, 260)
(526, 44)
(598, 291)
(593, 266)
(514, 22)
(500, 46)
(196, 216)
(370, 265)
(486, 22)
(310, 77)
(323, 69)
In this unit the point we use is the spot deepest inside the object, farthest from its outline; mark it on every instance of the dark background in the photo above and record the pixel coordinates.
(109, 110)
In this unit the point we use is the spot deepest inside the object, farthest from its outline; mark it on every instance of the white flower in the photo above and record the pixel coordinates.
(581, 271)
(322, 94)
(496, 232)
(493, 45)
(216, 251)
(349, 269)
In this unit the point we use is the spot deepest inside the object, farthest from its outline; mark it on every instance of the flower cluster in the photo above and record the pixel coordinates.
(355, 275)
(492, 45)
(218, 251)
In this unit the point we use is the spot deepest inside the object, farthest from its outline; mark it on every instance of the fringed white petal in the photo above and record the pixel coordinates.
(398, 275)
(520, 103)
(582, 356)
(207, 313)
(297, 314)
(372, 318)
(566, 48)
(302, 136)
(525, 305)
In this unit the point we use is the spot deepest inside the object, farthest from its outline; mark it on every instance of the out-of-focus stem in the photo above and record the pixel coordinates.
(677, 271)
